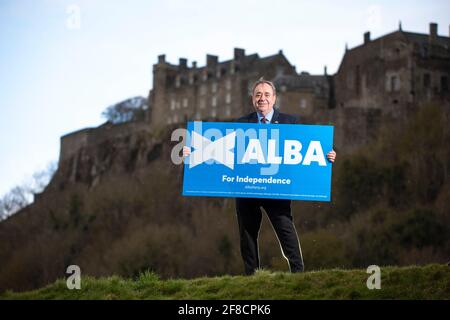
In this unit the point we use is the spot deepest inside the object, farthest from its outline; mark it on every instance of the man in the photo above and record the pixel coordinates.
(248, 210)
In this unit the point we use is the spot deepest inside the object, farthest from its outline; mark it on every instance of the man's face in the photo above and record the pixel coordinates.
(263, 98)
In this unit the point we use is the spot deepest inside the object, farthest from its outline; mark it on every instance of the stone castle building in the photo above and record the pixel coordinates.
(388, 75)
(385, 79)
(221, 90)
(397, 71)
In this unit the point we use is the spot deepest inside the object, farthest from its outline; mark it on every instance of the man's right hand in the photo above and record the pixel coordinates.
(186, 151)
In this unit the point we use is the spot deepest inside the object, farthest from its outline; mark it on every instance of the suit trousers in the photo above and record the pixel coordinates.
(249, 218)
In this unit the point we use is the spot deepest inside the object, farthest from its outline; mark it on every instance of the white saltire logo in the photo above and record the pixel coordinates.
(218, 150)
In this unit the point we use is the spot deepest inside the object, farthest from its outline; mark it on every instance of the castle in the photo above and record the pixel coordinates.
(221, 90)
(391, 74)
(380, 80)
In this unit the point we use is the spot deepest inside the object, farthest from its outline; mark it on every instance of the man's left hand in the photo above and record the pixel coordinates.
(331, 156)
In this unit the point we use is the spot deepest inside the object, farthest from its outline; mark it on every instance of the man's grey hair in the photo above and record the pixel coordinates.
(262, 81)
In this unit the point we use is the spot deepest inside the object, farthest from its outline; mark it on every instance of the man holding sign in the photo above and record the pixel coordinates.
(248, 210)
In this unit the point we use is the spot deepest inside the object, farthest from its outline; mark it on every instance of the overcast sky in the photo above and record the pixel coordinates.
(63, 62)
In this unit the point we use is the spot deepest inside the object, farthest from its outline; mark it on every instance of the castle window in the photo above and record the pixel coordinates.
(185, 102)
(202, 103)
(228, 98)
(191, 78)
(444, 84)
(424, 51)
(232, 68)
(426, 80)
(214, 101)
(395, 83)
(303, 103)
(172, 104)
(214, 87)
(228, 84)
(350, 80)
(358, 80)
(228, 111)
(177, 82)
(203, 89)
(218, 72)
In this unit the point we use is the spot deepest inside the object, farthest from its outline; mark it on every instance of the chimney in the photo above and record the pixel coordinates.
(239, 53)
(211, 60)
(162, 58)
(325, 70)
(433, 31)
(367, 37)
(183, 63)
(194, 64)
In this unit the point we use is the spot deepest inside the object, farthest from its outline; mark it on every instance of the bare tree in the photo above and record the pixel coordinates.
(41, 179)
(13, 201)
(22, 195)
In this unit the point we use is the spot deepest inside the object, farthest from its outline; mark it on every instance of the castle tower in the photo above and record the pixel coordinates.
(158, 94)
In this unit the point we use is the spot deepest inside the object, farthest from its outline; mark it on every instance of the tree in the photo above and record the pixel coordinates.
(22, 195)
(132, 109)
(13, 201)
(41, 179)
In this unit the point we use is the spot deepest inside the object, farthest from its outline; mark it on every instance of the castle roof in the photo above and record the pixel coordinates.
(240, 59)
(419, 38)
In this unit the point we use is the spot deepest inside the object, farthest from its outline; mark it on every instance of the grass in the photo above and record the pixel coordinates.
(413, 282)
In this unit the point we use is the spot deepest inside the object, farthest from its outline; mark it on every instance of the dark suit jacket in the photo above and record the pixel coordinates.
(277, 117)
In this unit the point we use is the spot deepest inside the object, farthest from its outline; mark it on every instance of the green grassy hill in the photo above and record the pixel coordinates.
(414, 282)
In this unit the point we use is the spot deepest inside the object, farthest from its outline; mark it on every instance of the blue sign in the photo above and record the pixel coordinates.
(251, 160)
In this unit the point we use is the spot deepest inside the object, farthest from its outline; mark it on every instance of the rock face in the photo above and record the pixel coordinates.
(88, 154)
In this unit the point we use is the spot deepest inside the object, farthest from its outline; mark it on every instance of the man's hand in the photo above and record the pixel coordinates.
(331, 156)
(186, 151)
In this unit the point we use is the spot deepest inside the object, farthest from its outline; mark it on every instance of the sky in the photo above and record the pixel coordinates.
(63, 62)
